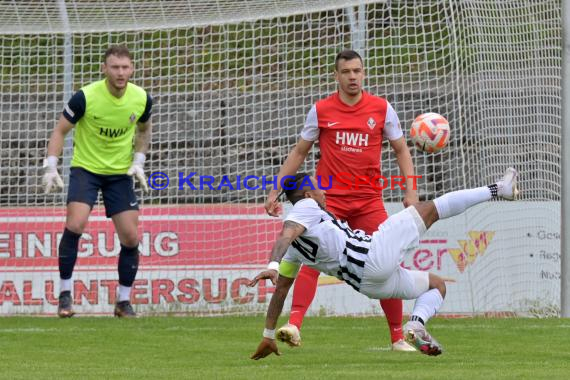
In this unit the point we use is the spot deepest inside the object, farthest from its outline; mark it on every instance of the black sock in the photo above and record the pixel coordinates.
(67, 256)
(128, 265)
(494, 188)
(416, 318)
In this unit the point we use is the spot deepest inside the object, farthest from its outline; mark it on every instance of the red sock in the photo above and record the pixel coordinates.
(303, 293)
(393, 308)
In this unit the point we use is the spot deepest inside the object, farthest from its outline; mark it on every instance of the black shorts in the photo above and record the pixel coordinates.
(117, 189)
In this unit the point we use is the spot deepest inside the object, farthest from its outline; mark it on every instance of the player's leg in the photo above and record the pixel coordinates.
(457, 202)
(303, 294)
(426, 306)
(121, 206)
(409, 225)
(126, 224)
(382, 276)
(394, 311)
(81, 195)
(368, 217)
(428, 290)
(446, 206)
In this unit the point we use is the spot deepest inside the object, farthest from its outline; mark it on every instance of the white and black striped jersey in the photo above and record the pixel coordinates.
(328, 244)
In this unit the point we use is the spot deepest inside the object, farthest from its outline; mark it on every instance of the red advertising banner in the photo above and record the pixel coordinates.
(212, 235)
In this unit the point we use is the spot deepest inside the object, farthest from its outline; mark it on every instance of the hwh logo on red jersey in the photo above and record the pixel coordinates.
(353, 139)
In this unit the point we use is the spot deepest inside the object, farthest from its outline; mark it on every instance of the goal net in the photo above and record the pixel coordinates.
(232, 82)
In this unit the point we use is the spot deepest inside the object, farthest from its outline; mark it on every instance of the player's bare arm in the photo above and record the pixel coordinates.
(406, 165)
(51, 179)
(267, 344)
(142, 142)
(289, 232)
(142, 136)
(293, 162)
(62, 128)
(277, 301)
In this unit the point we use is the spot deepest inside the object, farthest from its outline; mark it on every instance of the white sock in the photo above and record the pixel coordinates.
(124, 293)
(456, 202)
(65, 285)
(427, 304)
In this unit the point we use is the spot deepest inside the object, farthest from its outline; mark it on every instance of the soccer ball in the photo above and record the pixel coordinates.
(430, 132)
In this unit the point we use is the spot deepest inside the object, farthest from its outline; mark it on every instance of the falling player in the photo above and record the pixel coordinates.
(370, 264)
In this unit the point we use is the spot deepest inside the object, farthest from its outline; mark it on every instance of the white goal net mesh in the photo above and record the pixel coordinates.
(232, 82)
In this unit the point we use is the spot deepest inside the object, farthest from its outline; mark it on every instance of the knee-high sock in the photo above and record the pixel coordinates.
(67, 256)
(427, 305)
(303, 294)
(128, 267)
(393, 308)
(456, 202)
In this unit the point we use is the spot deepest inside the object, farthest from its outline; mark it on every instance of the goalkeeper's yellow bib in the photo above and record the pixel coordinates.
(103, 142)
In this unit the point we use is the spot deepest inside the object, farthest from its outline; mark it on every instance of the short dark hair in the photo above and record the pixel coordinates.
(293, 189)
(346, 55)
(119, 51)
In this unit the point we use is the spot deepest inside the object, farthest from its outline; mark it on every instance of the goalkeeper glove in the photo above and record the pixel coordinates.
(51, 179)
(137, 171)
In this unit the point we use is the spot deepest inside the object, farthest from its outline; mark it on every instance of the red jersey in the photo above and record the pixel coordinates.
(350, 139)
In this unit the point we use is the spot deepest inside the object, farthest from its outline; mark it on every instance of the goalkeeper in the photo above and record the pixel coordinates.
(370, 264)
(110, 116)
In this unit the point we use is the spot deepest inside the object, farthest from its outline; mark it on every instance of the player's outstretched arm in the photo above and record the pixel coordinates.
(142, 141)
(267, 346)
(268, 274)
(290, 231)
(51, 179)
(293, 162)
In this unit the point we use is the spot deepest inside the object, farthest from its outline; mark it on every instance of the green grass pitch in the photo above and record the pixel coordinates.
(333, 348)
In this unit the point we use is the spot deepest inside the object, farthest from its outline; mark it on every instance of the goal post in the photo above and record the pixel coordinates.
(565, 159)
(232, 82)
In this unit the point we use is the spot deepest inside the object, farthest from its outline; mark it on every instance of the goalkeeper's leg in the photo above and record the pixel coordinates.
(77, 216)
(81, 196)
(126, 223)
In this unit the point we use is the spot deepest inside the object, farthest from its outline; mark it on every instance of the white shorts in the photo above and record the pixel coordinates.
(383, 277)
